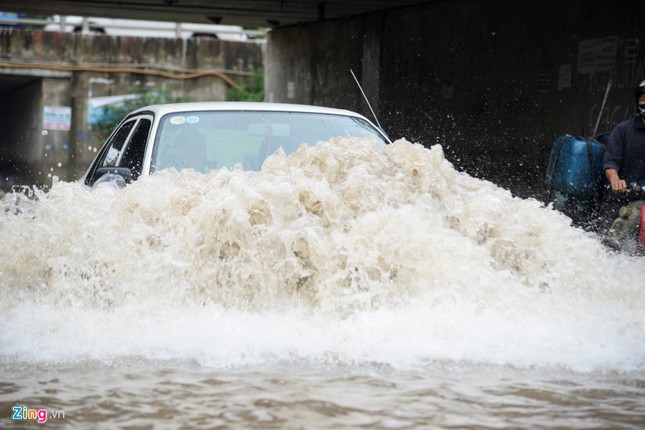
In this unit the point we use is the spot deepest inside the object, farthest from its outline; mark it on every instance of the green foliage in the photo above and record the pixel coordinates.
(251, 91)
(113, 114)
(34, 26)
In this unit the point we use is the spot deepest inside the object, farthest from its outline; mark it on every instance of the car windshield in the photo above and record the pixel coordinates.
(210, 140)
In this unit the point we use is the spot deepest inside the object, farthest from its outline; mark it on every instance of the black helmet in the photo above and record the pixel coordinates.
(640, 90)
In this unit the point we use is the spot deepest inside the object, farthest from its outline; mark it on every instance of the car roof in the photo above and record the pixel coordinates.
(163, 109)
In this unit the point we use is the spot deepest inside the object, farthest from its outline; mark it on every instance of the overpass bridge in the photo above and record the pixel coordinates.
(493, 81)
(248, 13)
(54, 88)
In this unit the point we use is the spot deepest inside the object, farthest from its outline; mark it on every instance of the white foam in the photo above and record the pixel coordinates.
(338, 253)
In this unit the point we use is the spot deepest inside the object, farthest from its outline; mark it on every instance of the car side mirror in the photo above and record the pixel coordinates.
(116, 176)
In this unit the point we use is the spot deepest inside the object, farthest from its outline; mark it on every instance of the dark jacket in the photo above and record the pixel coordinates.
(625, 151)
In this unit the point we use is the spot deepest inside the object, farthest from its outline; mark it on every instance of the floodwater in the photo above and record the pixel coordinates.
(342, 287)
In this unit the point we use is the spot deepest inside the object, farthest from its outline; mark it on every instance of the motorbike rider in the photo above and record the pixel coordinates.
(624, 159)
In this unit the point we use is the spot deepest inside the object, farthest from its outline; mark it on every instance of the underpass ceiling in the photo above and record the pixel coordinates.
(248, 13)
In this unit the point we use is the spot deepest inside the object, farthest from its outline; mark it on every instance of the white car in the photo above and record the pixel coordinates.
(213, 135)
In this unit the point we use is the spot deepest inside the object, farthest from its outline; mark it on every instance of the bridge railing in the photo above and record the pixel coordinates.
(135, 28)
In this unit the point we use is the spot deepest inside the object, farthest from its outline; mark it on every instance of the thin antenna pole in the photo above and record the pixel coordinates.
(602, 108)
(365, 97)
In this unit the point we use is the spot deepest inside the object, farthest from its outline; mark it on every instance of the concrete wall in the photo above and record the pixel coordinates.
(67, 69)
(493, 81)
(19, 119)
(311, 63)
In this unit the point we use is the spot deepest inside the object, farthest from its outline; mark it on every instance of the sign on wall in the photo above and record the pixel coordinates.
(57, 118)
(597, 55)
(564, 76)
(631, 50)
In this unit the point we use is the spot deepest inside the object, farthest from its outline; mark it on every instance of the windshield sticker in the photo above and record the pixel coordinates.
(192, 119)
(177, 120)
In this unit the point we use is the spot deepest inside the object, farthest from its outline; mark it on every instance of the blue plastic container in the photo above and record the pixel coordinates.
(575, 166)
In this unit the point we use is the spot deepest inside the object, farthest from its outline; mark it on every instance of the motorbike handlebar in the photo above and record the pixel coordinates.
(635, 190)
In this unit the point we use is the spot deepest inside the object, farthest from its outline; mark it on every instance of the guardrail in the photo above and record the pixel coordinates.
(90, 25)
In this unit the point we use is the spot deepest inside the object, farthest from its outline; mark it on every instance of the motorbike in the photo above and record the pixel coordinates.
(627, 232)
(576, 186)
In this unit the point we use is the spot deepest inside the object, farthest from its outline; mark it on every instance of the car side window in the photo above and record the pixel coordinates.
(134, 151)
(116, 144)
(126, 148)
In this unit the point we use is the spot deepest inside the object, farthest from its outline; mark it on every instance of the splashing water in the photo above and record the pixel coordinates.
(338, 253)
